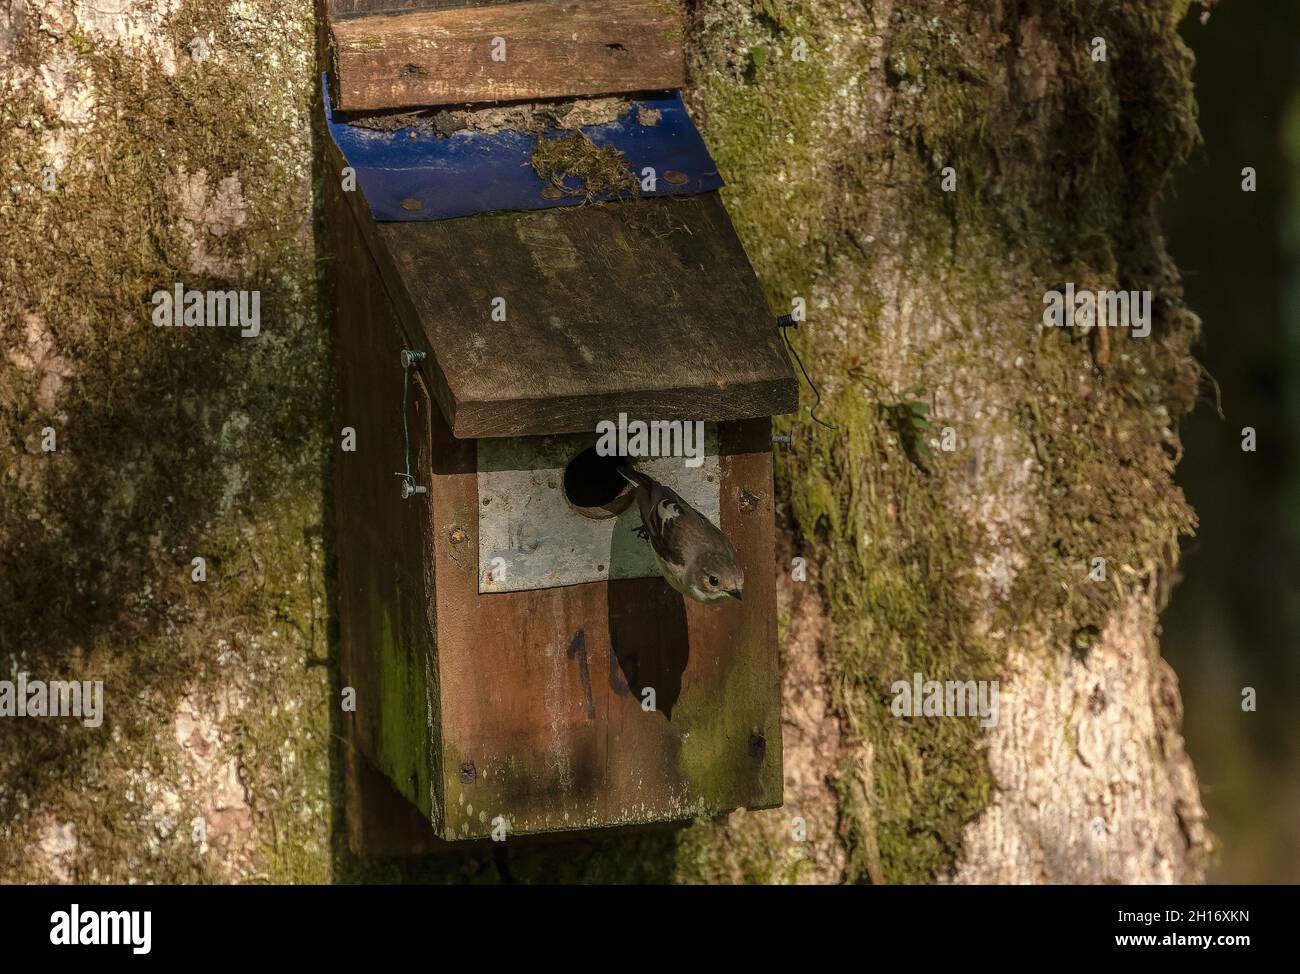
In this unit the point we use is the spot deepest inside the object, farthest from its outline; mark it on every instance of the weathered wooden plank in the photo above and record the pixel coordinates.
(524, 706)
(341, 9)
(648, 307)
(385, 591)
(552, 49)
(543, 723)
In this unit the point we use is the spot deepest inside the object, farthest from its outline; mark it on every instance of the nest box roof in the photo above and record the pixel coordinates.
(646, 307)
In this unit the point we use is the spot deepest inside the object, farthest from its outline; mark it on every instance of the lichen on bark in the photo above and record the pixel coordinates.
(1064, 451)
(172, 163)
(969, 565)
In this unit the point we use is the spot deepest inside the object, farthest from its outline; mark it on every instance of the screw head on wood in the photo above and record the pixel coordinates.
(468, 773)
(458, 536)
(409, 490)
(748, 501)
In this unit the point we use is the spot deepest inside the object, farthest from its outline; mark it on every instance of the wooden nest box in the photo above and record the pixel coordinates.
(519, 664)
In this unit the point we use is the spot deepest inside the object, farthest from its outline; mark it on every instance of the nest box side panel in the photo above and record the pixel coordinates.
(544, 726)
(385, 583)
(731, 692)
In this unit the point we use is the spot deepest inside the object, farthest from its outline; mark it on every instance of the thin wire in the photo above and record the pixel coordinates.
(406, 435)
(781, 323)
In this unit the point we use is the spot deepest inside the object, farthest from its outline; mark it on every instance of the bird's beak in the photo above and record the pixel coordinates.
(735, 594)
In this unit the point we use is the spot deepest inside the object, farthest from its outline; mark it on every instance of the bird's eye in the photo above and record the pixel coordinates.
(713, 580)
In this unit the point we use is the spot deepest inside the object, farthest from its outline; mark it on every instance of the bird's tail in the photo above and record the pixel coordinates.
(635, 477)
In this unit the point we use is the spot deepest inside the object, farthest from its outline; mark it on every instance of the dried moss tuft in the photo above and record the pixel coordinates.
(598, 170)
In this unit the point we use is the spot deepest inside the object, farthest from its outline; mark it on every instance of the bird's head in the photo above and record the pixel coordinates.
(718, 576)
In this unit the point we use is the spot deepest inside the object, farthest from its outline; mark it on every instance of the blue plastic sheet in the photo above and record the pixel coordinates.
(475, 172)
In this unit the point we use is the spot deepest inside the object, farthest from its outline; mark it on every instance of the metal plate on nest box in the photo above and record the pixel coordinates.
(540, 529)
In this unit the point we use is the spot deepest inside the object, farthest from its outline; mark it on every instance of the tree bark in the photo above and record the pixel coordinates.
(975, 563)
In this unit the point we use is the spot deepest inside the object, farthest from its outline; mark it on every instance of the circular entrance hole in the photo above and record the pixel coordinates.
(594, 487)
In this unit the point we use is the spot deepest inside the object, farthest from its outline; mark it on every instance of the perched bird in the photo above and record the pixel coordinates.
(695, 557)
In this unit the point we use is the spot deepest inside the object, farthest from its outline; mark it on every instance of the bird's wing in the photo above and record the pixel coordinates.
(666, 518)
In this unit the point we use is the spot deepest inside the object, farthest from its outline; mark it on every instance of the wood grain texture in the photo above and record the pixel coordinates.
(542, 722)
(607, 311)
(385, 580)
(553, 49)
(342, 9)
(524, 706)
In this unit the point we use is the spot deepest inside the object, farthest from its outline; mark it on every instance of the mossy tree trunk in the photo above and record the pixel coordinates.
(142, 145)
(834, 124)
(181, 142)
